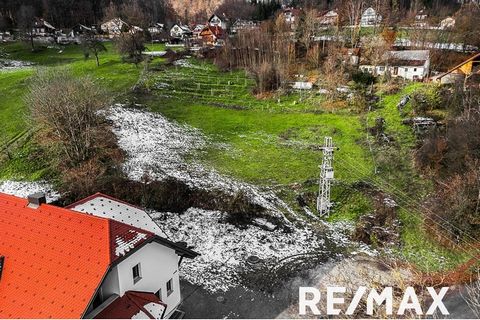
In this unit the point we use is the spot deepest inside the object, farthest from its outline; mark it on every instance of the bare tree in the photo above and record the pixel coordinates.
(92, 45)
(307, 27)
(134, 14)
(66, 109)
(472, 296)
(131, 45)
(353, 10)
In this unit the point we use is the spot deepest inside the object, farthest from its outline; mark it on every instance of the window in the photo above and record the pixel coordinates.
(406, 70)
(169, 287)
(415, 69)
(159, 294)
(381, 68)
(136, 273)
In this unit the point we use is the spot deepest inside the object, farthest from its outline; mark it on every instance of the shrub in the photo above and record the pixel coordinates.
(426, 99)
(66, 108)
(267, 78)
(131, 46)
(364, 78)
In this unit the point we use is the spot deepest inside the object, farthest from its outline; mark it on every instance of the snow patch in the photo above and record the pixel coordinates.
(123, 245)
(23, 189)
(224, 248)
(7, 64)
(140, 315)
(158, 147)
(155, 309)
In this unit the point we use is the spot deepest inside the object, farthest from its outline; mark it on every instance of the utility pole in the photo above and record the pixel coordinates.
(326, 176)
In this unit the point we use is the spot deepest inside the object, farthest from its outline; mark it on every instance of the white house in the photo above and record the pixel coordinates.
(291, 15)
(180, 31)
(156, 28)
(197, 30)
(241, 24)
(408, 64)
(114, 27)
(370, 17)
(216, 21)
(447, 23)
(97, 258)
(421, 19)
(328, 19)
(42, 28)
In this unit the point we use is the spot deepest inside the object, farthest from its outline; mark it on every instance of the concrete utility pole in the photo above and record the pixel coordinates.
(326, 177)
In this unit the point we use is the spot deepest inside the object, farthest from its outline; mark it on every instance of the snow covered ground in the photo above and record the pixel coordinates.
(7, 64)
(224, 247)
(22, 189)
(159, 148)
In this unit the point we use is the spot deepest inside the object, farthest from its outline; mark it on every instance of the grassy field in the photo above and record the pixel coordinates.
(114, 75)
(272, 142)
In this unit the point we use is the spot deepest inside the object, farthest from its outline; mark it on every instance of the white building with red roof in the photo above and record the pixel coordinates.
(61, 263)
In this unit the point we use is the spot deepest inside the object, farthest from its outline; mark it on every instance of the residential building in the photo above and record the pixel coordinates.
(180, 32)
(328, 19)
(156, 28)
(291, 15)
(408, 64)
(447, 23)
(370, 17)
(197, 29)
(212, 35)
(216, 21)
(114, 27)
(421, 19)
(42, 28)
(240, 25)
(84, 262)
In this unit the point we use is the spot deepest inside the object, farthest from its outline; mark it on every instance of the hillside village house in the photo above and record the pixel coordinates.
(180, 32)
(215, 21)
(42, 28)
(408, 64)
(156, 28)
(370, 17)
(421, 19)
(447, 23)
(291, 14)
(212, 36)
(328, 19)
(240, 25)
(197, 29)
(98, 258)
(114, 27)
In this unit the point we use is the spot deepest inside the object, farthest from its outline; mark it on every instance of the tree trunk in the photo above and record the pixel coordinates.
(96, 58)
(31, 42)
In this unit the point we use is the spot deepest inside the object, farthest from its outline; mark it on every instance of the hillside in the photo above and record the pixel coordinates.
(192, 9)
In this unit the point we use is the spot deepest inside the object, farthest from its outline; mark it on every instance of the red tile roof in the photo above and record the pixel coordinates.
(134, 303)
(56, 258)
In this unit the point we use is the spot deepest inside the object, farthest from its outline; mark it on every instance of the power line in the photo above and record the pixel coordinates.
(377, 184)
(416, 202)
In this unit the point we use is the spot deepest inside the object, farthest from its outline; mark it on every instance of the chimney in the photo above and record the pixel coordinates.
(36, 199)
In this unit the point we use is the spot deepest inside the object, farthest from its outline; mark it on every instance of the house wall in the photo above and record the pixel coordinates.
(158, 264)
(406, 72)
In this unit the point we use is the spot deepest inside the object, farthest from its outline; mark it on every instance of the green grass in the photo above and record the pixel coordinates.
(269, 142)
(418, 248)
(114, 75)
(12, 109)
